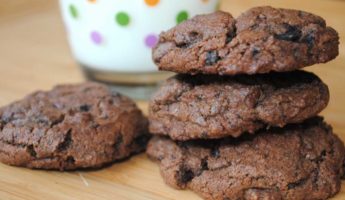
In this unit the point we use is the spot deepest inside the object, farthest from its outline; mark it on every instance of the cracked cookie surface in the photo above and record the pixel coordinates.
(209, 106)
(303, 161)
(70, 127)
(261, 40)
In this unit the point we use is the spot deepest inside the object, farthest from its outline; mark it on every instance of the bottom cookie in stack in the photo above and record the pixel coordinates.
(299, 161)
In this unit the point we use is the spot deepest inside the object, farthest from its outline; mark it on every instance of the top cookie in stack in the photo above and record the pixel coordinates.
(261, 40)
(258, 55)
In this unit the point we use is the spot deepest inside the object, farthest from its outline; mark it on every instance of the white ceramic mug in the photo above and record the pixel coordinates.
(117, 35)
(112, 39)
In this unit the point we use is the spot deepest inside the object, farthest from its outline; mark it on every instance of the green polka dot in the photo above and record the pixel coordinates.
(73, 10)
(122, 18)
(182, 16)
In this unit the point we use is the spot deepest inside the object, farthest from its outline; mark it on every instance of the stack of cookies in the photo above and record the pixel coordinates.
(240, 120)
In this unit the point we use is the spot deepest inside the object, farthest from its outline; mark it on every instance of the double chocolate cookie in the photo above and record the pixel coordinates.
(190, 107)
(71, 126)
(261, 40)
(304, 161)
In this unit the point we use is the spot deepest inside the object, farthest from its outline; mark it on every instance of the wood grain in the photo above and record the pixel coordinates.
(34, 55)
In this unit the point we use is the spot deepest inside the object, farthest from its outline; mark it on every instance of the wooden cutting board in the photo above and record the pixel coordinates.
(34, 55)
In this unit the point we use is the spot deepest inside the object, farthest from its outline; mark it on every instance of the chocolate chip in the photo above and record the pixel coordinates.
(84, 108)
(309, 39)
(230, 35)
(190, 39)
(118, 142)
(255, 51)
(182, 45)
(186, 175)
(31, 150)
(323, 153)
(57, 121)
(193, 37)
(212, 57)
(193, 34)
(204, 164)
(297, 183)
(215, 152)
(66, 142)
(292, 34)
(70, 159)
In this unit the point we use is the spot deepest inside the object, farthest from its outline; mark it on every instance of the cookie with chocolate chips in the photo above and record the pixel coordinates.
(72, 126)
(304, 161)
(261, 40)
(210, 106)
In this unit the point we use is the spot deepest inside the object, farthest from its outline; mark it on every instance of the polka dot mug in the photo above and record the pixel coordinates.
(118, 35)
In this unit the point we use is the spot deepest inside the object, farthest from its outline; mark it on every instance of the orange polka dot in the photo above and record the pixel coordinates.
(205, 1)
(92, 1)
(151, 2)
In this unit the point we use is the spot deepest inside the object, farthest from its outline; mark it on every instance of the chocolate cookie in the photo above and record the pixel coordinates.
(261, 40)
(304, 161)
(204, 106)
(69, 127)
